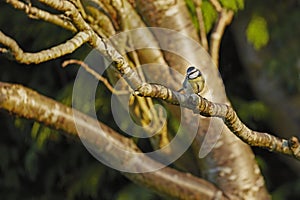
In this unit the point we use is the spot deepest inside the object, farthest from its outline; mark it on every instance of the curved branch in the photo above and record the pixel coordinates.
(27, 103)
(206, 108)
(95, 41)
(34, 12)
(96, 75)
(19, 55)
(225, 17)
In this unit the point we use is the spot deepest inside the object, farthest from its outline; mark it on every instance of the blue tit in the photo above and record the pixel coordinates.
(194, 81)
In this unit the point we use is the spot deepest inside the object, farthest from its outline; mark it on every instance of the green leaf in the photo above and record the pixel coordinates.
(234, 5)
(192, 10)
(87, 183)
(31, 163)
(209, 15)
(257, 32)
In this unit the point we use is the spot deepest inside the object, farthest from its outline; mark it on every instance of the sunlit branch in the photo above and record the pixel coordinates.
(202, 34)
(225, 17)
(13, 50)
(206, 108)
(37, 13)
(95, 41)
(107, 9)
(100, 22)
(216, 4)
(80, 7)
(27, 103)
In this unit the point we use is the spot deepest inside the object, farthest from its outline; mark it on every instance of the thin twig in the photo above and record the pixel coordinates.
(225, 17)
(202, 31)
(38, 13)
(216, 4)
(96, 75)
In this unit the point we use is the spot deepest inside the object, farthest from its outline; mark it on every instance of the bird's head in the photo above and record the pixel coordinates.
(192, 73)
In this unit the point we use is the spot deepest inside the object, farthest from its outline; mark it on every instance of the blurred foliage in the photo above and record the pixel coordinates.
(210, 15)
(285, 31)
(192, 9)
(234, 5)
(287, 191)
(131, 191)
(257, 32)
(278, 31)
(252, 112)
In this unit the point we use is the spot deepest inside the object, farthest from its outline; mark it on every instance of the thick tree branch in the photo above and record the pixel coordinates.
(206, 108)
(129, 19)
(99, 20)
(173, 15)
(95, 41)
(26, 103)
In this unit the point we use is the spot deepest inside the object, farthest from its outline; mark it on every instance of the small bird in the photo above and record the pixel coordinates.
(193, 82)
